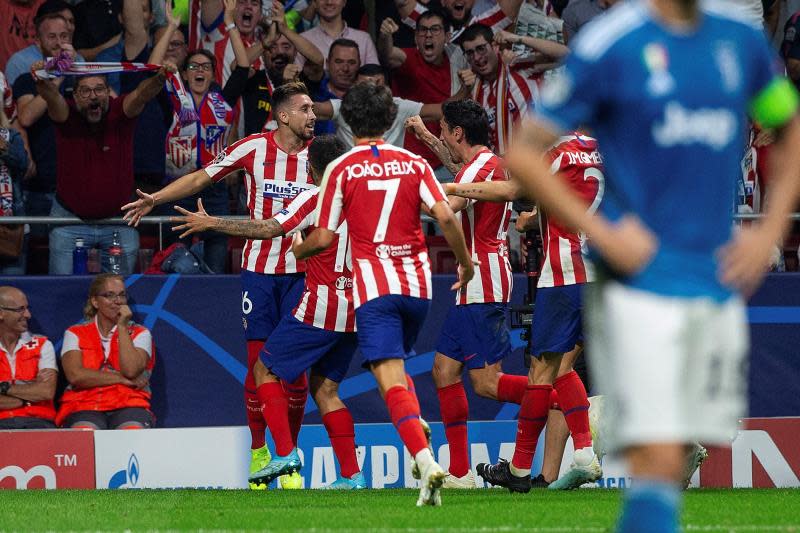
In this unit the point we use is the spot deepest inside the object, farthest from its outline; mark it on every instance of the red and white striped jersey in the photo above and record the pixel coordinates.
(505, 99)
(577, 160)
(492, 17)
(272, 178)
(485, 226)
(377, 189)
(327, 301)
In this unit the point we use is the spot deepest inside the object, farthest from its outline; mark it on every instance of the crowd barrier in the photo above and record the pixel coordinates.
(763, 455)
(200, 368)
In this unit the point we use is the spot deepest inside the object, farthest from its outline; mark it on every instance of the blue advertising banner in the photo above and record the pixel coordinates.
(201, 358)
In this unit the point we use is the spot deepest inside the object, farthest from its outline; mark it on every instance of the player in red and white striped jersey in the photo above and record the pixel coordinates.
(276, 170)
(459, 14)
(317, 335)
(557, 329)
(577, 160)
(474, 335)
(378, 190)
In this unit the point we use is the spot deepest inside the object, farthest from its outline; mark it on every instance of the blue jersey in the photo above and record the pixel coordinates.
(668, 109)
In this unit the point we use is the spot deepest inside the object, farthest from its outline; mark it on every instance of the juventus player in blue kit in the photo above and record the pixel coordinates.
(665, 86)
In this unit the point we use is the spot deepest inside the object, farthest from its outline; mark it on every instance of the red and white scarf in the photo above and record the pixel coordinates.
(64, 65)
(6, 182)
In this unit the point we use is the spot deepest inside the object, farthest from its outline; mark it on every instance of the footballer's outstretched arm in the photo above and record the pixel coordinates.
(627, 244)
(451, 230)
(180, 188)
(488, 191)
(200, 221)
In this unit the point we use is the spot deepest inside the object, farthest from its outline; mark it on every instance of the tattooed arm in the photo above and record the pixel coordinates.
(490, 191)
(416, 126)
(201, 221)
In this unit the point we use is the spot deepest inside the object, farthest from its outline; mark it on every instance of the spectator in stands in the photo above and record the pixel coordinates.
(17, 28)
(459, 14)
(97, 26)
(212, 33)
(191, 146)
(28, 371)
(135, 19)
(13, 164)
(94, 134)
(343, 64)
(7, 99)
(152, 124)
(279, 48)
(21, 61)
(53, 37)
(332, 28)
(425, 73)
(503, 90)
(108, 361)
(790, 48)
(579, 12)
(331, 110)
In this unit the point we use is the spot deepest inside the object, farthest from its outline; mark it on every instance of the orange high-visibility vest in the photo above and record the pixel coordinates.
(26, 368)
(109, 397)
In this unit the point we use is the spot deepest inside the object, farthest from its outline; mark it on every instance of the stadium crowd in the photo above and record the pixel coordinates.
(231, 56)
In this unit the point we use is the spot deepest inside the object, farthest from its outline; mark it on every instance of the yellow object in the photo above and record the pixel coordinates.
(181, 10)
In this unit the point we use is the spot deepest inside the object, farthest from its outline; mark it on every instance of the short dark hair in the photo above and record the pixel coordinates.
(474, 31)
(371, 69)
(284, 93)
(47, 16)
(201, 52)
(369, 109)
(79, 79)
(345, 43)
(431, 13)
(324, 149)
(51, 7)
(470, 116)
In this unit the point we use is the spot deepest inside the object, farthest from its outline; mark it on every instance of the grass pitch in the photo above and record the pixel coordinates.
(377, 510)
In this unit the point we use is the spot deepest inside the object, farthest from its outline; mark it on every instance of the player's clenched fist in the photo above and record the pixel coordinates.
(468, 77)
(389, 26)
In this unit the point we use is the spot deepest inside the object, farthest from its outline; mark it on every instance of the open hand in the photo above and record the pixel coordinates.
(135, 210)
(192, 222)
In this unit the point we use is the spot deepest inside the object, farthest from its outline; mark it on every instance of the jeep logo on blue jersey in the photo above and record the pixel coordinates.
(126, 478)
(283, 189)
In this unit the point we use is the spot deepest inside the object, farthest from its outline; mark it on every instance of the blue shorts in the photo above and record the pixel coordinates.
(295, 346)
(266, 299)
(557, 319)
(388, 326)
(475, 334)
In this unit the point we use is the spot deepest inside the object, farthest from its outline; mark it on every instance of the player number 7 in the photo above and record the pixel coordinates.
(390, 186)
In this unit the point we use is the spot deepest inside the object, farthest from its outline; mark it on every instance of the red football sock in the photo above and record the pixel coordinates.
(575, 405)
(405, 416)
(255, 419)
(276, 414)
(412, 389)
(253, 407)
(511, 388)
(455, 410)
(296, 395)
(341, 431)
(554, 401)
(532, 418)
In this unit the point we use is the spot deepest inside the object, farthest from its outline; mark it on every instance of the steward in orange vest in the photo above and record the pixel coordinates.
(108, 361)
(28, 371)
